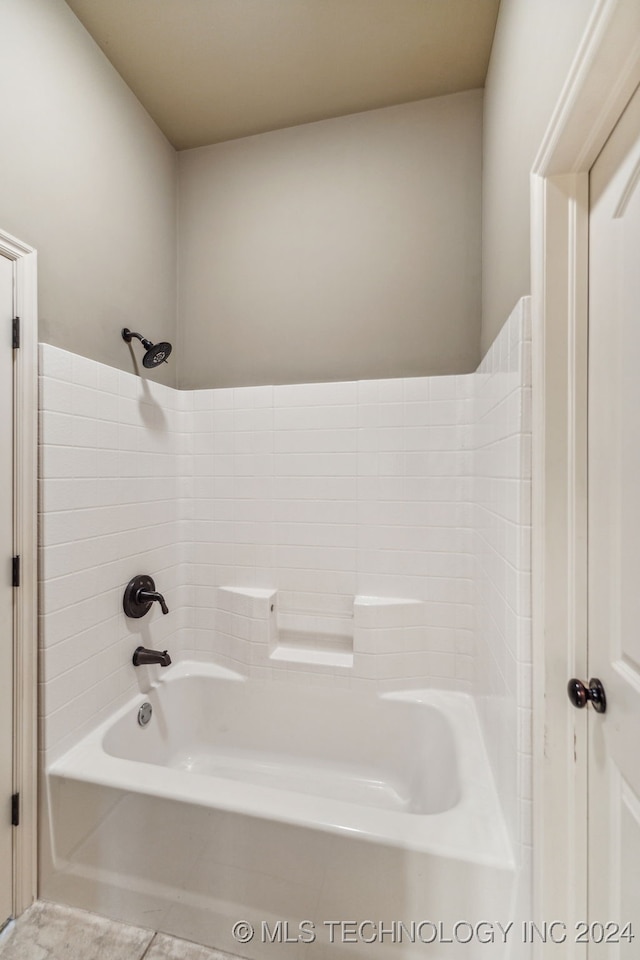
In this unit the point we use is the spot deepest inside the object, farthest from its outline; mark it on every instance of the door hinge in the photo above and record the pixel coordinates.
(15, 810)
(16, 571)
(16, 332)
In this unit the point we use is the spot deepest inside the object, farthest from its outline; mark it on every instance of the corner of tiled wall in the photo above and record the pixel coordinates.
(502, 530)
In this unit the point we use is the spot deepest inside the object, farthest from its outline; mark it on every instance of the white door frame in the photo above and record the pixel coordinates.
(25, 546)
(603, 77)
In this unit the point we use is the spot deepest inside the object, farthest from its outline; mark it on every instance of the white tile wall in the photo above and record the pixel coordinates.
(328, 491)
(303, 497)
(502, 551)
(110, 509)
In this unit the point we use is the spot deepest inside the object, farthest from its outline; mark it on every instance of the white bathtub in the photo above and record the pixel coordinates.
(266, 802)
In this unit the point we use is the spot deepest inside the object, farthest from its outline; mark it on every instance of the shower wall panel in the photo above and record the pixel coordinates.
(110, 508)
(414, 490)
(328, 492)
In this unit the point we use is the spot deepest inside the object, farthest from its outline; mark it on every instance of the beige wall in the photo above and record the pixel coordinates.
(88, 179)
(533, 48)
(344, 249)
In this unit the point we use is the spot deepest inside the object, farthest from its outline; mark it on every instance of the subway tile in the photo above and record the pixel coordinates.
(315, 441)
(315, 465)
(316, 558)
(417, 389)
(391, 390)
(368, 391)
(443, 388)
(417, 414)
(222, 419)
(317, 534)
(56, 363)
(316, 394)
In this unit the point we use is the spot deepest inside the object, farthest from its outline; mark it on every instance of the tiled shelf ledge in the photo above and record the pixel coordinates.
(263, 634)
(313, 638)
(319, 656)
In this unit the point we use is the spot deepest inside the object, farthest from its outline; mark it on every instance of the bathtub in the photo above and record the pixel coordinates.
(293, 809)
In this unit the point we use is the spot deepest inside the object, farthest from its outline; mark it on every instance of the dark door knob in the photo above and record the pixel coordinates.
(581, 695)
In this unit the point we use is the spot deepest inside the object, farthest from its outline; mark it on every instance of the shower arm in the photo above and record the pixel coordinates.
(128, 334)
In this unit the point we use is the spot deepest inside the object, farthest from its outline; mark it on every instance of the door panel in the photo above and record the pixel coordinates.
(614, 533)
(6, 589)
(630, 857)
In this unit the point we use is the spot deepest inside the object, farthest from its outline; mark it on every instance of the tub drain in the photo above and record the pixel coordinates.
(144, 714)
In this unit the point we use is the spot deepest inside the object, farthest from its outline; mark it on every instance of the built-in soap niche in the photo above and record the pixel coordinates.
(313, 638)
(269, 633)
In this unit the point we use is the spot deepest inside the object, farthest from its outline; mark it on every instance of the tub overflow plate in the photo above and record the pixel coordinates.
(144, 714)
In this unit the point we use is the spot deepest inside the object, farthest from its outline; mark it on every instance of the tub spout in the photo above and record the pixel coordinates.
(142, 656)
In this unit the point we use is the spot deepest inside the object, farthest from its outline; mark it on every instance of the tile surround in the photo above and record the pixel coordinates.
(109, 509)
(310, 495)
(336, 493)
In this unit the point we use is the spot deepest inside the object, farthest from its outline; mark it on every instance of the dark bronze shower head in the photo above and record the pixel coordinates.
(156, 352)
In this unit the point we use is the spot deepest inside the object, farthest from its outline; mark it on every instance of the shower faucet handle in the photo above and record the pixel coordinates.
(139, 594)
(151, 595)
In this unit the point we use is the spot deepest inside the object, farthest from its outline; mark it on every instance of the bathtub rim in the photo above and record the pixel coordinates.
(473, 830)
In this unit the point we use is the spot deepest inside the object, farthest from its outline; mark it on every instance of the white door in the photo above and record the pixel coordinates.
(614, 539)
(6, 588)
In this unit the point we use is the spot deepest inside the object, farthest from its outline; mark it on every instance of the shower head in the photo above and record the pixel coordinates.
(156, 352)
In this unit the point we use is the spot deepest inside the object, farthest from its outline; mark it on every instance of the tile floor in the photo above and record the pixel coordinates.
(48, 931)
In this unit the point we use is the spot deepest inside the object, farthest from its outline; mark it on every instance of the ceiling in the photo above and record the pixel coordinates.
(214, 70)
